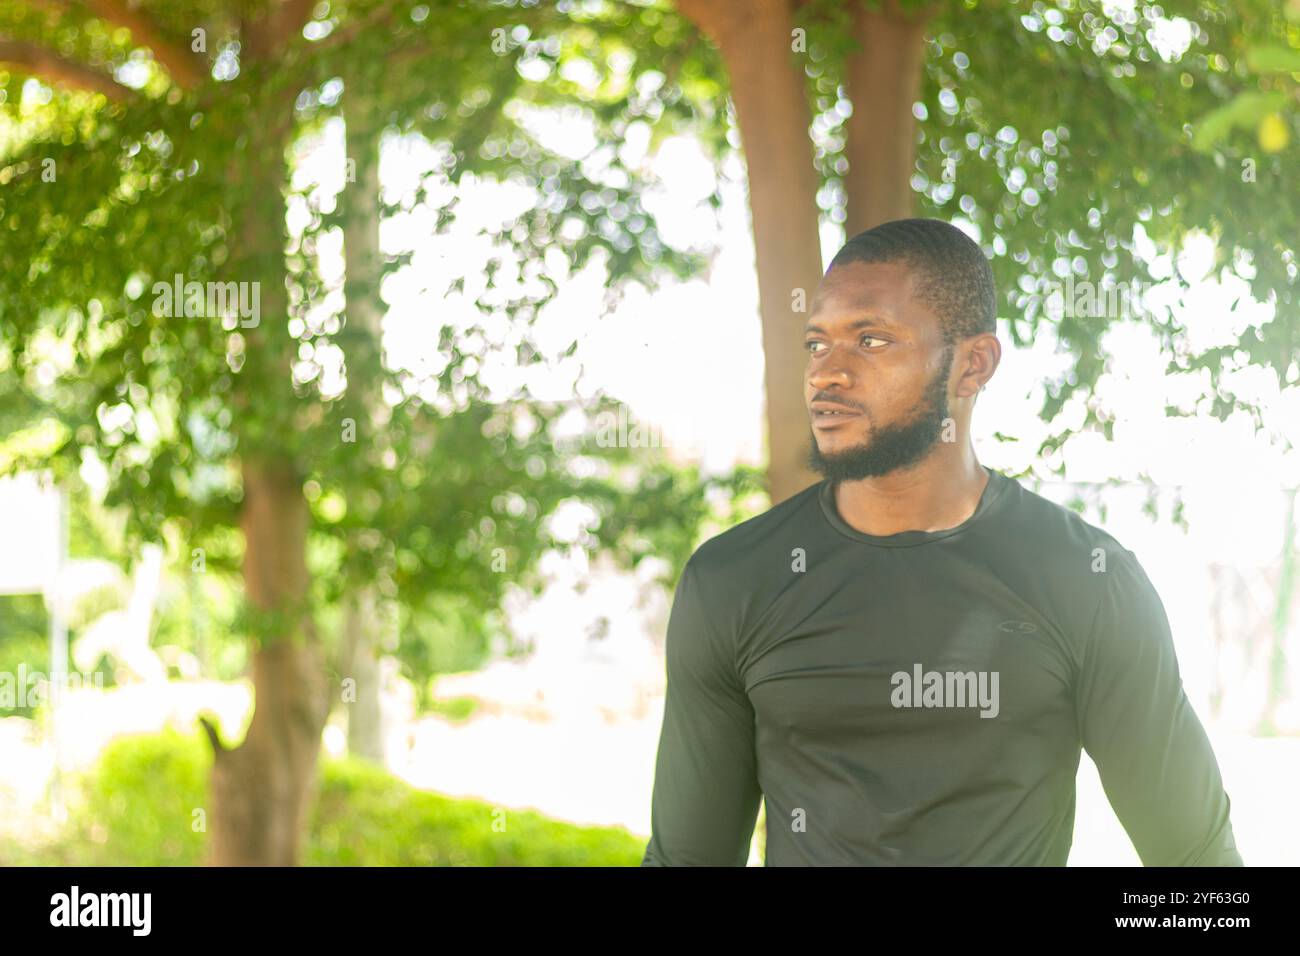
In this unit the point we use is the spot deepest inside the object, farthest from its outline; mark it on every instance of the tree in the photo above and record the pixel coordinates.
(773, 115)
(168, 156)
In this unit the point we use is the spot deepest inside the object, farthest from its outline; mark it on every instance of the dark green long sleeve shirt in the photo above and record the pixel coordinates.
(922, 698)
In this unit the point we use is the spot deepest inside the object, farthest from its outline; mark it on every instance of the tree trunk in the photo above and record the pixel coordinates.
(365, 713)
(884, 80)
(768, 89)
(261, 790)
(363, 272)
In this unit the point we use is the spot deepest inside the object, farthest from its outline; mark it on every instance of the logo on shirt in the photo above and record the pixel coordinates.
(1017, 627)
(923, 688)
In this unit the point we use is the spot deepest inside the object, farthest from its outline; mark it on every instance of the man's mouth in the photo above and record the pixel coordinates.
(829, 415)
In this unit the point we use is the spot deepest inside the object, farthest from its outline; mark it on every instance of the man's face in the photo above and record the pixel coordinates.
(876, 383)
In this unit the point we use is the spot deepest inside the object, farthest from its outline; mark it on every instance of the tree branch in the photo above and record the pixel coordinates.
(186, 68)
(713, 18)
(290, 17)
(214, 735)
(351, 30)
(41, 63)
(266, 35)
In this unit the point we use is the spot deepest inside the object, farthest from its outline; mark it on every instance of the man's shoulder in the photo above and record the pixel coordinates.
(1050, 530)
(736, 550)
(1055, 550)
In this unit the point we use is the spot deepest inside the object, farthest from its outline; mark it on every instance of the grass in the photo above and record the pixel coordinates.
(143, 804)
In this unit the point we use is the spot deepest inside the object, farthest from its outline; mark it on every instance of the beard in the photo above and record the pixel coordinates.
(895, 446)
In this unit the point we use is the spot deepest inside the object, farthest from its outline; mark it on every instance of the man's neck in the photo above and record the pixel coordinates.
(936, 494)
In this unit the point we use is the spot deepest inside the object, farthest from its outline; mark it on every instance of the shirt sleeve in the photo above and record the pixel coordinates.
(706, 792)
(1155, 760)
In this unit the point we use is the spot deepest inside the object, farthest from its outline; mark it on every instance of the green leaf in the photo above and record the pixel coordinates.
(1273, 59)
(1244, 111)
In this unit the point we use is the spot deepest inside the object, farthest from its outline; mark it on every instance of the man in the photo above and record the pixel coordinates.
(905, 659)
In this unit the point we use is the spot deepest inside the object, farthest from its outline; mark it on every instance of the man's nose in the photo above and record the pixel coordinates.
(830, 371)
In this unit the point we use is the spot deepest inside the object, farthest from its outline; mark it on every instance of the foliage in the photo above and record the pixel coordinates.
(136, 808)
(170, 178)
(365, 817)
(24, 645)
(1275, 67)
(1073, 136)
(454, 709)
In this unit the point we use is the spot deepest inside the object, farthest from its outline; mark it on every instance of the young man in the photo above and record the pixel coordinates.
(905, 659)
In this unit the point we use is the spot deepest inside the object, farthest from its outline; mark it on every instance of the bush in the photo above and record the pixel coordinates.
(136, 808)
(24, 648)
(365, 817)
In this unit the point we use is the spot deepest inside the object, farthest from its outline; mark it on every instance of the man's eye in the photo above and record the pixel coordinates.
(812, 346)
(872, 338)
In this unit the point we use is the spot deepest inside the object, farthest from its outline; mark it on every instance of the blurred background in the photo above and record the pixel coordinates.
(369, 371)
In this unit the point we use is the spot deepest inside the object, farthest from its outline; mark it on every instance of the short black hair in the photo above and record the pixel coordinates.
(954, 278)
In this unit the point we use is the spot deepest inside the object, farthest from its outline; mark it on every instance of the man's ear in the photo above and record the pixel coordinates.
(983, 353)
